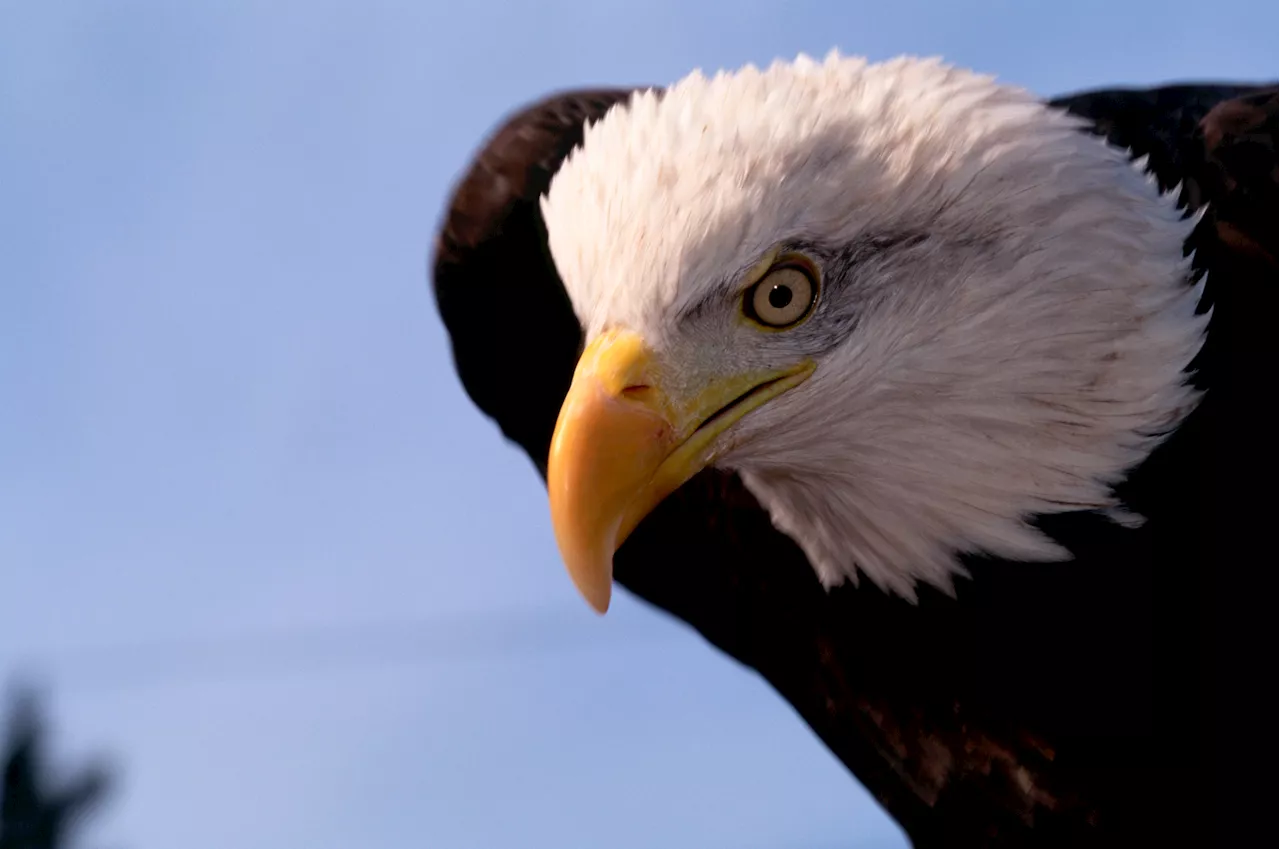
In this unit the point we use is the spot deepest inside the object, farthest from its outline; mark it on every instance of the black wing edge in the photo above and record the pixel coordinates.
(493, 293)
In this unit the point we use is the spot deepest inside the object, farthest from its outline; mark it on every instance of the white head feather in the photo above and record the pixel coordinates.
(1005, 318)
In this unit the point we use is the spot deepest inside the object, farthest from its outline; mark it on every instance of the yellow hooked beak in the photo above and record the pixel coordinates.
(624, 442)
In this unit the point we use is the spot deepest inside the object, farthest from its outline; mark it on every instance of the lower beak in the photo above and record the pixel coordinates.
(622, 444)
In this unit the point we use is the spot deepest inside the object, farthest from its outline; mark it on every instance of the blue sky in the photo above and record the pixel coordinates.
(306, 595)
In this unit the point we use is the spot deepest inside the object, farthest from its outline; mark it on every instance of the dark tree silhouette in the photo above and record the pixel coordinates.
(35, 812)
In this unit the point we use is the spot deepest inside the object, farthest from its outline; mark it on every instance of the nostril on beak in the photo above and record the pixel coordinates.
(638, 392)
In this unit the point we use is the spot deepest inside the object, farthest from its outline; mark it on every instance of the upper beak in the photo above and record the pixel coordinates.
(623, 443)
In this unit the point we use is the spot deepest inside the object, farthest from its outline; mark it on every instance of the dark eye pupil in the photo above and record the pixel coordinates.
(779, 296)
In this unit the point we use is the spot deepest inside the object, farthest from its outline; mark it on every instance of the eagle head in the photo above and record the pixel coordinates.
(911, 307)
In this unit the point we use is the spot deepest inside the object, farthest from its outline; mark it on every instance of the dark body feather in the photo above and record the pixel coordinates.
(1116, 700)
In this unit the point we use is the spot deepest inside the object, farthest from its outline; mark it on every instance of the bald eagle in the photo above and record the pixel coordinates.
(936, 404)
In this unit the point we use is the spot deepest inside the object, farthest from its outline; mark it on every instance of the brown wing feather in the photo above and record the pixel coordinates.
(1240, 179)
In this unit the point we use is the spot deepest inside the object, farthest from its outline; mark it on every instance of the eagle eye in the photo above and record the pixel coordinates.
(784, 296)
